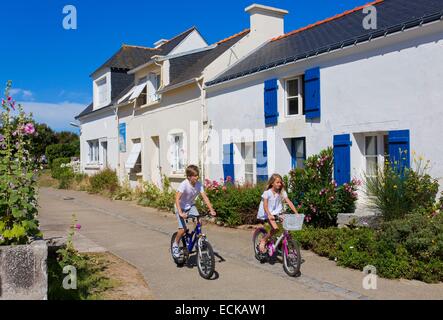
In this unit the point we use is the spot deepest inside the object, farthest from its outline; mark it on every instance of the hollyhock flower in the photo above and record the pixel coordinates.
(2, 137)
(29, 128)
(78, 226)
(224, 188)
(9, 99)
(229, 179)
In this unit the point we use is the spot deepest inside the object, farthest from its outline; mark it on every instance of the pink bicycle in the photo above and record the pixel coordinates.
(284, 246)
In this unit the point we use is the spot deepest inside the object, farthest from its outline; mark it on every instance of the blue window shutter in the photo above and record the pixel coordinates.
(261, 152)
(312, 93)
(228, 161)
(271, 102)
(399, 150)
(342, 159)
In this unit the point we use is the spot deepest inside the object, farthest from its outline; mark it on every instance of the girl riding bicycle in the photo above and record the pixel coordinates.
(271, 206)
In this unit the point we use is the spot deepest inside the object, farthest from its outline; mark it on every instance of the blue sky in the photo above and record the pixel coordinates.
(50, 66)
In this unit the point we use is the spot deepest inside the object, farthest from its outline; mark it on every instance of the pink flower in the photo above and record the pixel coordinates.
(9, 99)
(224, 188)
(78, 226)
(2, 138)
(229, 179)
(29, 128)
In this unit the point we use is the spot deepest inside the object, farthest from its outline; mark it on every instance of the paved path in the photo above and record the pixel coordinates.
(141, 236)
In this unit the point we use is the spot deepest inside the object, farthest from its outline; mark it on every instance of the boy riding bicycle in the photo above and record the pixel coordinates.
(185, 207)
(271, 206)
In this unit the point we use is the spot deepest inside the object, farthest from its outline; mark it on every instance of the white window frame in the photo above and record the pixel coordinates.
(94, 151)
(102, 99)
(178, 158)
(245, 161)
(299, 96)
(380, 154)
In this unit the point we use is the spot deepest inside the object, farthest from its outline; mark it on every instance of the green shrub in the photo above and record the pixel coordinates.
(124, 192)
(57, 170)
(235, 205)
(410, 248)
(317, 195)
(105, 181)
(66, 150)
(152, 196)
(396, 194)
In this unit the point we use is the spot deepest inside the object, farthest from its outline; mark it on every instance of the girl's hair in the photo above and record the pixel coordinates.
(271, 181)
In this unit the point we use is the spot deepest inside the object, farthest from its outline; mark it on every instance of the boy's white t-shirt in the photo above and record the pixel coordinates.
(189, 194)
(275, 203)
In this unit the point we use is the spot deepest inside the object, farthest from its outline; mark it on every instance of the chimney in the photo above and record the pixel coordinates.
(266, 22)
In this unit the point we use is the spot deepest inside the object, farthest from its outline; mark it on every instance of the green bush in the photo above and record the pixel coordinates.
(409, 248)
(397, 194)
(317, 195)
(66, 150)
(235, 205)
(153, 196)
(57, 170)
(105, 181)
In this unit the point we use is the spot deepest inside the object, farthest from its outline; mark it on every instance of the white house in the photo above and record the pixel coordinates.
(369, 93)
(157, 123)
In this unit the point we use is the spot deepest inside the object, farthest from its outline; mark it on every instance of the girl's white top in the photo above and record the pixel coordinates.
(275, 203)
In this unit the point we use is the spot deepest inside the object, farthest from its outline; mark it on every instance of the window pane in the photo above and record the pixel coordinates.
(292, 88)
(292, 106)
(299, 148)
(249, 152)
(371, 146)
(371, 166)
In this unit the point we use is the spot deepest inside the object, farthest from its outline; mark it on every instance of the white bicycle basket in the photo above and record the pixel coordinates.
(293, 222)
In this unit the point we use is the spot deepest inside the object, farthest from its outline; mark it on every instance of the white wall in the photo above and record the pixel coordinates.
(389, 84)
(178, 111)
(101, 126)
(193, 41)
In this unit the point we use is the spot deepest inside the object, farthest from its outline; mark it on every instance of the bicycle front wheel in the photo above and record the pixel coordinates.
(292, 258)
(205, 259)
(259, 234)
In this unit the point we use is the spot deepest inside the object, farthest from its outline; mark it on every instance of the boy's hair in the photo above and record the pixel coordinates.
(271, 181)
(192, 171)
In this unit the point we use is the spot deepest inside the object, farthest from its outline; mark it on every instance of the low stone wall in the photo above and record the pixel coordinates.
(23, 272)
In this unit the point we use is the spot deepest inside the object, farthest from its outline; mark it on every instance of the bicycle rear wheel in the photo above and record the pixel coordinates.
(183, 251)
(292, 258)
(259, 234)
(205, 259)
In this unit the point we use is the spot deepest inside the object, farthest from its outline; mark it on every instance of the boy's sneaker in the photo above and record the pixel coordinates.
(175, 251)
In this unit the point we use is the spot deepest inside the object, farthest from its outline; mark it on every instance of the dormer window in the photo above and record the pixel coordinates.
(154, 85)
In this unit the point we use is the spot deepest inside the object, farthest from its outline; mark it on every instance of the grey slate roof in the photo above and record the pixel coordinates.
(130, 57)
(191, 65)
(345, 30)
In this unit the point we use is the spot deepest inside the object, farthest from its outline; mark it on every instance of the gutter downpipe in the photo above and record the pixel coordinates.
(204, 124)
(118, 137)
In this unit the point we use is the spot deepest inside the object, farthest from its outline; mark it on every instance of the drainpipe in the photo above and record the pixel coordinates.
(118, 138)
(204, 124)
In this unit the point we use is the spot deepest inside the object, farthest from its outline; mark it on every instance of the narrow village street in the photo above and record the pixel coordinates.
(141, 236)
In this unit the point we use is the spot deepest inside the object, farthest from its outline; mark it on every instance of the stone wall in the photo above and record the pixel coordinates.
(23, 272)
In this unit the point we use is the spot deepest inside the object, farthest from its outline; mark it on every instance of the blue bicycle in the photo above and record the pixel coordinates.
(205, 253)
